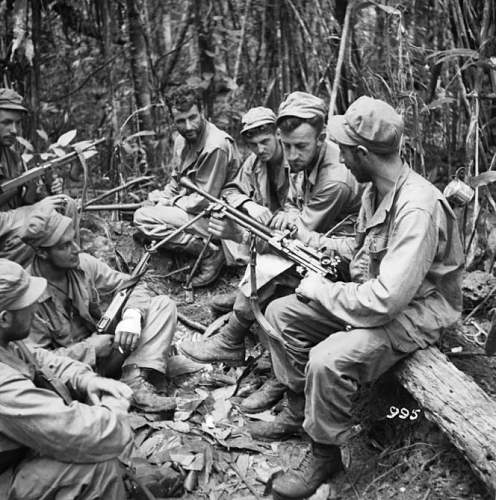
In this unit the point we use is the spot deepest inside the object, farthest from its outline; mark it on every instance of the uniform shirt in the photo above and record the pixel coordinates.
(209, 164)
(257, 181)
(11, 166)
(14, 209)
(63, 321)
(38, 418)
(326, 194)
(406, 267)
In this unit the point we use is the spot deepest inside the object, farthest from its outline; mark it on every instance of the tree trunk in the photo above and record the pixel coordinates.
(35, 75)
(141, 73)
(454, 402)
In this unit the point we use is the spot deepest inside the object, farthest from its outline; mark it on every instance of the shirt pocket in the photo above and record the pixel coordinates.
(377, 248)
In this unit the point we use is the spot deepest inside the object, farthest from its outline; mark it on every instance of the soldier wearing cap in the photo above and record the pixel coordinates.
(406, 267)
(69, 310)
(260, 189)
(321, 193)
(15, 207)
(49, 447)
(209, 158)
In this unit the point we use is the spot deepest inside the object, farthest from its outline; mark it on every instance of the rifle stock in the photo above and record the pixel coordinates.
(302, 255)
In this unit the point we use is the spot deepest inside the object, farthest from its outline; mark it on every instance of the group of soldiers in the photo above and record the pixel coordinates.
(341, 188)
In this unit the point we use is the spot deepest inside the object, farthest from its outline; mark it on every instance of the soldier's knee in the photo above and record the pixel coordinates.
(274, 310)
(164, 304)
(321, 360)
(141, 215)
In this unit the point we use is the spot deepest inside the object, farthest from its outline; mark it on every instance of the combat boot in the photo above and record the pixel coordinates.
(223, 303)
(286, 424)
(227, 346)
(209, 269)
(265, 397)
(320, 463)
(145, 394)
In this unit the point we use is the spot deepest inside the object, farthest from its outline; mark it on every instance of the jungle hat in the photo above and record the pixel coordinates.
(45, 228)
(10, 99)
(302, 105)
(368, 122)
(17, 288)
(257, 117)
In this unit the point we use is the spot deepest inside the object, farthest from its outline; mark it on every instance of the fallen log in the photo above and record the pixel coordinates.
(452, 400)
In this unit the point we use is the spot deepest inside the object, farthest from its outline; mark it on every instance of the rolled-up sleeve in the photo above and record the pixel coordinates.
(411, 250)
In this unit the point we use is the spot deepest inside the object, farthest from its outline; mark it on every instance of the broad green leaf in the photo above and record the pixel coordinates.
(66, 138)
(27, 157)
(42, 134)
(25, 143)
(483, 179)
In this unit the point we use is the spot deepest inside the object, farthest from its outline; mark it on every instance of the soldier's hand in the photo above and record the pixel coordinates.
(105, 390)
(310, 286)
(57, 185)
(128, 330)
(102, 344)
(54, 202)
(223, 228)
(300, 232)
(283, 220)
(258, 212)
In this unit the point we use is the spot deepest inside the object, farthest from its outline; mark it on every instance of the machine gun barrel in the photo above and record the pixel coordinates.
(294, 250)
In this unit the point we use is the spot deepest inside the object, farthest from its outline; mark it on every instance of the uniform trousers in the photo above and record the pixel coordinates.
(317, 355)
(156, 337)
(37, 478)
(159, 221)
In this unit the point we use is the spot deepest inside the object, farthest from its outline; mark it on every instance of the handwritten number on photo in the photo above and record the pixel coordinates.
(403, 413)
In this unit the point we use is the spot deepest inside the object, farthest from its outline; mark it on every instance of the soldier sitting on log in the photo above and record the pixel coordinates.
(406, 268)
(50, 446)
(209, 158)
(69, 310)
(16, 207)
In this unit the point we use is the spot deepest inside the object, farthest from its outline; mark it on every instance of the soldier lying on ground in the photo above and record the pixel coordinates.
(406, 268)
(16, 209)
(322, 192)
(49, 449)
(209, 158)
(70, 308)
(260, 188)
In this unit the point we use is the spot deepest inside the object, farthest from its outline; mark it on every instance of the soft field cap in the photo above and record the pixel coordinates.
(44, 228)
(302, 105)
(17, 288)
(368, 122)
(257, 117)
(10, 99)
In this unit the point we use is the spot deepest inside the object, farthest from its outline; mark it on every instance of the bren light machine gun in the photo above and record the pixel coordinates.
(306, 258)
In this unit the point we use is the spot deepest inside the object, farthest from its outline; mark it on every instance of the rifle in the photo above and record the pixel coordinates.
(304, 256)
(10, 187)
(121, 297)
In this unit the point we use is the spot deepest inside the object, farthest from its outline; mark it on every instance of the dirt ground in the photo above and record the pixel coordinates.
(203, 451)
